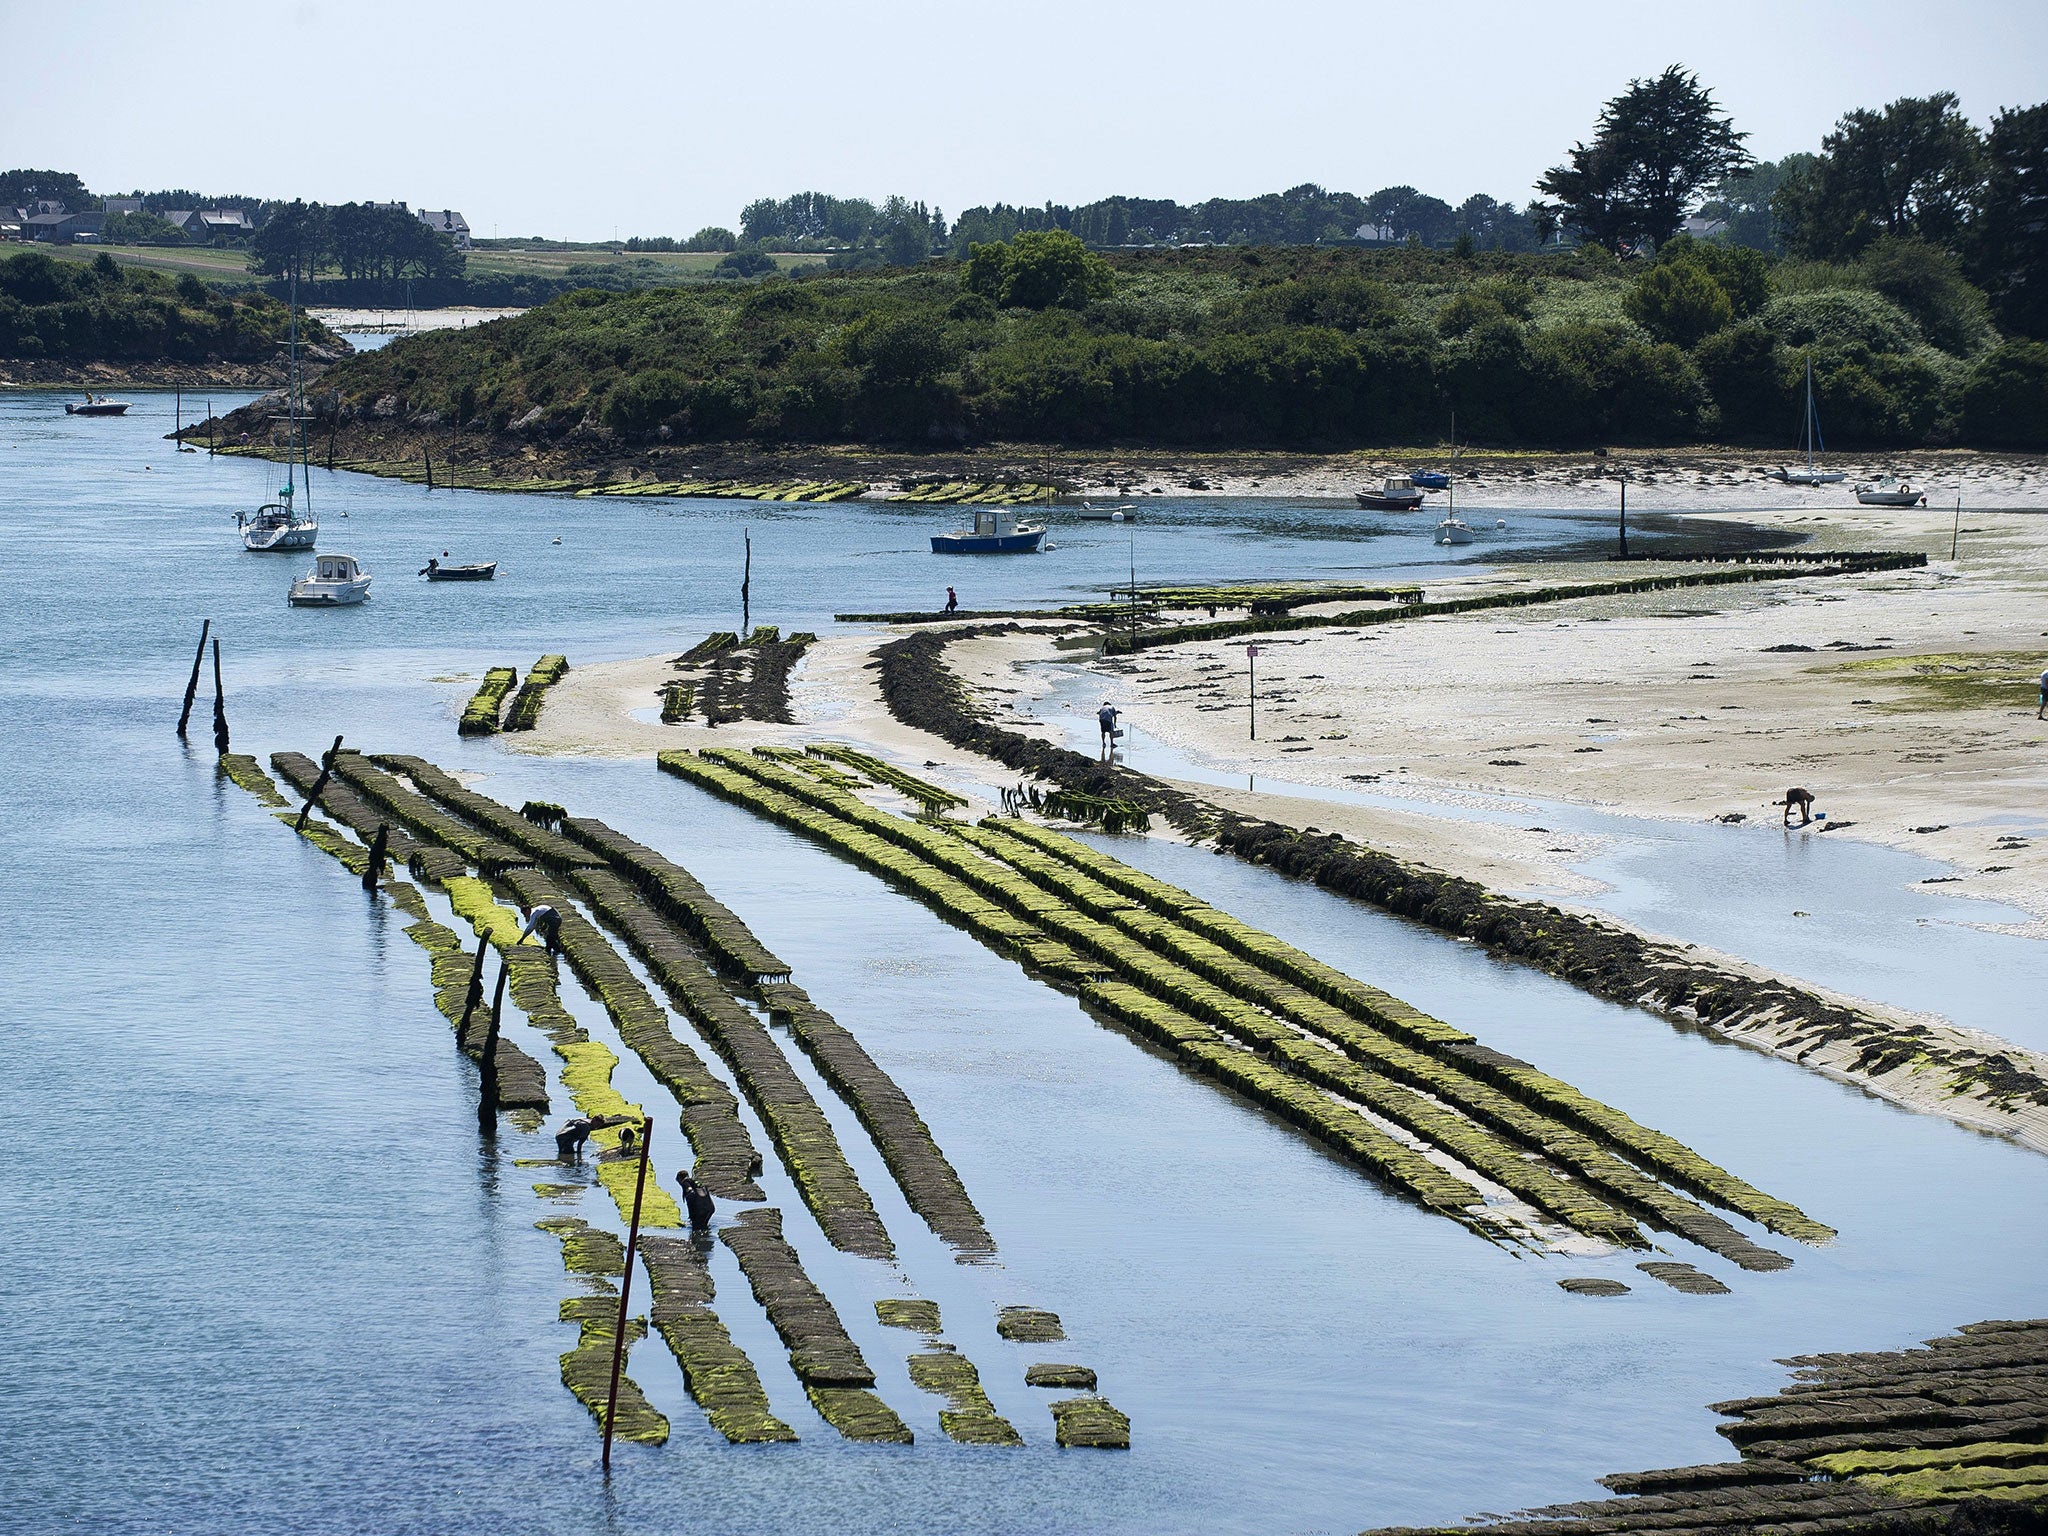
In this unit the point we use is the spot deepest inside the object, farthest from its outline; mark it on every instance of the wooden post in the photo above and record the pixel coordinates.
(746, 581)
(192, 687)
(611, 1401)
(487, 1101)
(1624, 514)
(476, 987)
(430, 467)
(220, 704)
(377, 856)
(1955, 534)
(209, 429)
(1251, 660)
(319, 785)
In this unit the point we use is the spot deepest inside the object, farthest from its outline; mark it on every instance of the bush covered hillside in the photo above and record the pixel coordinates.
(100, 312)
(1039, 340)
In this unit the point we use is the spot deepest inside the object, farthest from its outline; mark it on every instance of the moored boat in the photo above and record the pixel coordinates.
(1890, 493)
(285, 524)
(1454, 530)
(1090, 513)
(1399, 494)
(1810, 440)
(1431, 479)
(96, 405)
(336, 581)
(995, 532)
(483, 570)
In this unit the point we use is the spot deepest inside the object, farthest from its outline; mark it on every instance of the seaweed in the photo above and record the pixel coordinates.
(246, 772)
(524, 714)
(480, 714)
(908, 1312)
(802, 1134)
(822, 1353)
(587, 1370)
(1029, 1325)
(717, 1371)
(1074, 1378)
(972, 1419)
(1090, 1423)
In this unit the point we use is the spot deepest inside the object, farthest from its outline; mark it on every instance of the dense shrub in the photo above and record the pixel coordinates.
(1679, 302)
(2005, 400)
(100, 311)
(1840, 317)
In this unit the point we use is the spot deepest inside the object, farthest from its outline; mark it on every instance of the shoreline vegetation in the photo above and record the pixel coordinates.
(1195, 352)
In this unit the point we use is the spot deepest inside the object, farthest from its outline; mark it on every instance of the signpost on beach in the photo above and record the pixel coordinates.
(1251, 660)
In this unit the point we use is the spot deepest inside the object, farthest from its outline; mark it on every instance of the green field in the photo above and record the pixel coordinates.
(507, 258)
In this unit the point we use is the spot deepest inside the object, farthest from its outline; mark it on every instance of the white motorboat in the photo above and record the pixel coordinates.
(96, 405)
(335, 581)
(1891, 493)
(1090, 513)
(1811, 441)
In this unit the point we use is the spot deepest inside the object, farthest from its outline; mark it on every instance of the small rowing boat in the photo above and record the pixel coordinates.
(434, 570)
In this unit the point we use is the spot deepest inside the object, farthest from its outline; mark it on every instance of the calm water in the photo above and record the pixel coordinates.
(259, 1275)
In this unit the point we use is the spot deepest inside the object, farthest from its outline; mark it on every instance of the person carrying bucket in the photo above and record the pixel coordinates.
(1106, 718)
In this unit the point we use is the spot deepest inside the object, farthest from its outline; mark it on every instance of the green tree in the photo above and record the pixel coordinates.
(1038, 270)
(293, 243)
(1678, 302)
(2009, 248)
(1916, 168)
(1744, 201)
(1927, 282)
(1657, 146)
(2005, 402)
(21, 189)
(140, 229)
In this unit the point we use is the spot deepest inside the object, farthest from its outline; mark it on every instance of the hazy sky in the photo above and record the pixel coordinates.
(581, 119)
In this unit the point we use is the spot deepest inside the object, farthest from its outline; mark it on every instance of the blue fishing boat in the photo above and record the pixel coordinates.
(1431, 479)
(994, 533)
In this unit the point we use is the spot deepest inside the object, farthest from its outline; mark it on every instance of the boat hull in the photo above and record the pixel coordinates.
(263, 541)
(1432, 480)
(1021, 543)
(1810, 476)
(327, 594)
(463, 572)
(1458, 535)
(103, 408)
(1376, 501)
(1892, 498)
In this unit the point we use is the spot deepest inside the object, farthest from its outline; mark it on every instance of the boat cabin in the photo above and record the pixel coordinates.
(336, 568)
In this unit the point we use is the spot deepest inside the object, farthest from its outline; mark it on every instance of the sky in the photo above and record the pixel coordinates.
(597, 119)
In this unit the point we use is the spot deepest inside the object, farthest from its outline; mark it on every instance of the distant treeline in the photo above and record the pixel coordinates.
(1038, 339)
(100, 311)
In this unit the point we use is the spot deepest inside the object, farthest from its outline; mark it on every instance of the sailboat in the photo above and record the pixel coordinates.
(1811, 441)
(1454, 529)
(283, 524)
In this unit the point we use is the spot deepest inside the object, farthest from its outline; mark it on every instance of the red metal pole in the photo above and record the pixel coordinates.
(611, 1402)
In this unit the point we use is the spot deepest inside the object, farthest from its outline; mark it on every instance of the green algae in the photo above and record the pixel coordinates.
(716, 1371)
(908, 1312)
(524, 714)
(858, 1414)
(802, 1134)
(560, 1194)
(587, 1369)
(1090, 1423)
(971, 1419)
(1683, 1277)
(725, 1157)
(1075, 1378)
(1983, 1453)
(586, 1250)
(823, 1355)
(1029, 1325)
(1955, 680)
(243, 770)
(929, 795)
(480, 715)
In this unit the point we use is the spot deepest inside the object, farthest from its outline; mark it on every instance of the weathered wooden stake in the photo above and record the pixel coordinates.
(487, 1102)
(1955, 533)
(192, 687)
(375, 867)
(611, 1401)
(1624, 514)
(746, 581)
(220, 704)
(319, 784)
(476, 987)
(430, 467)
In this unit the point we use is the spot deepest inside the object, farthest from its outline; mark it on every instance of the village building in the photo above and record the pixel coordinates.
(447, 222)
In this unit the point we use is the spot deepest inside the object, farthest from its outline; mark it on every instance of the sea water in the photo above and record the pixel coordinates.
(260, 1273)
